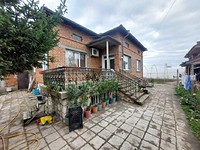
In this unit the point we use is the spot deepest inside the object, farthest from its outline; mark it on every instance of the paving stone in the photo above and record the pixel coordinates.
(127, 146)
(155, 126)
(109, 119)
(89, 124)
(42, 143)
(57, 144)
(116, 141)
(147, 146)
(151, 139)
(126, 127)
(45, 148)
(156, 121)
(66, 147)
(103, 123)
(154, 132)
(80, 131)
(132, 120)
(52, 137)
(147, 118)
(117, 123)
(111, 128)
(47, 131)
(96, 142)
(77, 143)
(168, 138)
(87, 147)
(121, 133)
(167, 146)
(134, 140)
(71, 136)
(96, 129)
(168, 131)
(138, 133)
(96, 119)
(107, 146)
(105, 134)
(142, 124)
(88, 135)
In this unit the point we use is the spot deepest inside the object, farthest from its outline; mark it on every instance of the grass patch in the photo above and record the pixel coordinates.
(190, 105)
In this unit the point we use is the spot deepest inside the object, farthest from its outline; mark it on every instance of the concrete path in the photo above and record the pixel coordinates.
(159, 124)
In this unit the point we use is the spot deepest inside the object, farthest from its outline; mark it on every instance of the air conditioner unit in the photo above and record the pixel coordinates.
(94, 52)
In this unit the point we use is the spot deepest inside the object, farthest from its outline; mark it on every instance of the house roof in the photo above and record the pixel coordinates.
(72, 23)
(194, 50)
(101, 42)
(122, 30)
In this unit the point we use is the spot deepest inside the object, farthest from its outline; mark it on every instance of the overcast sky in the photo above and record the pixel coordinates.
(167, 28)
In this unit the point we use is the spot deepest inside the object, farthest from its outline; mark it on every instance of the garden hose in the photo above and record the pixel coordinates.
(12, 135)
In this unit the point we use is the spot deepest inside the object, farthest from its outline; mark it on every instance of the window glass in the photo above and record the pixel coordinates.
(138, 65)
(77, 37)
(127, 62)
(45, 63)
(75, 59)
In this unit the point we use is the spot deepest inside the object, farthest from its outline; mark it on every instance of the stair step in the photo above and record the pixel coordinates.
(142, 99)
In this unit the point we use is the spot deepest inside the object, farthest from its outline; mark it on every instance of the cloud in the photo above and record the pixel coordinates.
(167, 32)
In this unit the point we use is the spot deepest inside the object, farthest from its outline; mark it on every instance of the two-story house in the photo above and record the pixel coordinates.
(192, 66)
(80, 47)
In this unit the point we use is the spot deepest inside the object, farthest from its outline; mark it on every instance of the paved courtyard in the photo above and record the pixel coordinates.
(159, 124)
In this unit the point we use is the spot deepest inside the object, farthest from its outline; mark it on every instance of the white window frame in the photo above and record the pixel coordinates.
(138, 65)
(129, 65)
(45, 62)
(79, 56)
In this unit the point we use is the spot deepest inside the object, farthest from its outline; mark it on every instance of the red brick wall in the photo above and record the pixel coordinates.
(11, 81)
(133, 52)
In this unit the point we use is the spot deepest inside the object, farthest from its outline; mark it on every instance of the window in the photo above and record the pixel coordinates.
(76, 37)
(126, 62)
(45, 63)
(75, 59)
(138, 65)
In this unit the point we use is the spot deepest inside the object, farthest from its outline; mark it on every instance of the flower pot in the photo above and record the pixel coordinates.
(107, 102)
(87, 113)
(114, 99)
(103, 104)
(94, 109)
(99, 107)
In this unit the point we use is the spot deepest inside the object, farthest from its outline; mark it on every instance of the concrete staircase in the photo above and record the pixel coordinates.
(131, 89)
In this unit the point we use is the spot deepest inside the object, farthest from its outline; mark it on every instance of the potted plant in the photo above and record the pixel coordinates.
(115, 86)
(88, 111)
(101, 90)
(94, 109)
(103, 103)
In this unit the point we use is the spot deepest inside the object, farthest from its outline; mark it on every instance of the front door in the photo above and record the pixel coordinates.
(112, 62)
(23, 80)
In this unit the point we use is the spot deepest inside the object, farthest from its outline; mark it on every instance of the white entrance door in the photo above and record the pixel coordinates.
(112, 62)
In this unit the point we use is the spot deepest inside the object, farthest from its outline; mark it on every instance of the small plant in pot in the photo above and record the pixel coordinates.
(101, 90)
(115, 87)
(88, 111)
(94, 109)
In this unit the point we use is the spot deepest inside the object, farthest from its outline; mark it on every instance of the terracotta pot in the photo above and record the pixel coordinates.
(94, 109)
(88, 113)
(103, 104)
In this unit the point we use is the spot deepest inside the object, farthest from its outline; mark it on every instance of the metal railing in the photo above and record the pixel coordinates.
(142, 82)
(128, 85)
(74, 75)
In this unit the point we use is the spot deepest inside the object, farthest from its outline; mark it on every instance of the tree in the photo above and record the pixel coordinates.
(27, 33)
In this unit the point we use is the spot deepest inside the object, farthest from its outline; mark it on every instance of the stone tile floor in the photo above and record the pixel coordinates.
(158, 124)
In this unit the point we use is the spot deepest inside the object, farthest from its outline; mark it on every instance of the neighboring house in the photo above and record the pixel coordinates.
(192, 66)
(80, 47)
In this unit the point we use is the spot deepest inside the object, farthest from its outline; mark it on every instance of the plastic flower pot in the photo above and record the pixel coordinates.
(87, 113)
(94, 109)
(107, 102)
(103, 104)
(99, 107)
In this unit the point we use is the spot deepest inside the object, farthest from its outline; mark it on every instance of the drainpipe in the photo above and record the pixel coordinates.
(123, 47)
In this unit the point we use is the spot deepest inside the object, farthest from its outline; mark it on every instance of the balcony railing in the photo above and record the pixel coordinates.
(63, 76)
